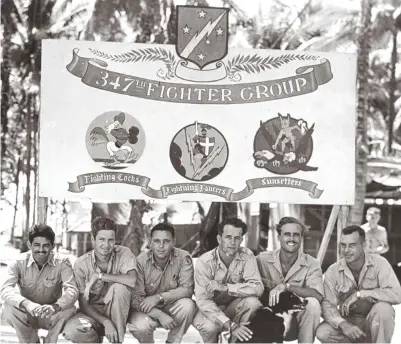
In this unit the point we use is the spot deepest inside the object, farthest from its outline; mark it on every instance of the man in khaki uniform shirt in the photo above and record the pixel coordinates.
(288, 269)
(105, 278)
(359, 291)
(227, 285)
(41, 275)
(376, 235)
(163, 290)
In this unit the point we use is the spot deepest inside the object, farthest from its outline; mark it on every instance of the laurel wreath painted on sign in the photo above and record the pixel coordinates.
(253, 64)
(144, 55)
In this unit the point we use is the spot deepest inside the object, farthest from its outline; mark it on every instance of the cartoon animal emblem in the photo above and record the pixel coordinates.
(119, 137)
(284, 145)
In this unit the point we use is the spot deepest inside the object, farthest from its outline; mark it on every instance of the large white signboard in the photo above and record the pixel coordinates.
(196, 121)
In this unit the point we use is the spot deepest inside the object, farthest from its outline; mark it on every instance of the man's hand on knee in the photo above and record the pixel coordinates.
(241, 332)
(30, 307)
(166, 321)
(351, 331)
(110, 331)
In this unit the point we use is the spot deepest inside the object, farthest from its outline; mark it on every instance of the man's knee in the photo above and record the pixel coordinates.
(313, 307)
(205, 326)
(252, 303)
(186, 308)
(120, 289)
(323, 332)
(11, 313)
(80, 330)
(141, 323)
(67, 313)
(383, 311)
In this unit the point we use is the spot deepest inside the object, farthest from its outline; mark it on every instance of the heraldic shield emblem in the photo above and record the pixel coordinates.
(202, 34)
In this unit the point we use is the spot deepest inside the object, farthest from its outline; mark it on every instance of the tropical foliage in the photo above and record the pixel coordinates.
(369, 27)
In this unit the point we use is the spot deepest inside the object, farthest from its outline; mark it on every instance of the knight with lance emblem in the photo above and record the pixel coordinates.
(199, 152)
(204, 144)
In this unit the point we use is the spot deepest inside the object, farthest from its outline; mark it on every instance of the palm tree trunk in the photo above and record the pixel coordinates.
(28, 175)
(364, 47)
(135, 235)
(392, 90)
(16, 180)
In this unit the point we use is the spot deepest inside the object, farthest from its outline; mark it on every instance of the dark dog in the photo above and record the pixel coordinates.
(271, 324)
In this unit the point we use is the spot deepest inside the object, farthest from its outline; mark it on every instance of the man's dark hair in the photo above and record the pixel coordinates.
(354, 229)
(41, 230)
(103, 224)
(233, 221)
(289, 219)
(163, 227)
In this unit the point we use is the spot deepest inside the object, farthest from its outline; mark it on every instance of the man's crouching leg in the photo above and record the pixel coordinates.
(243, 309)
(82, 329)
(21, 324)
(308, 321)
(142, 327)
(183, 312)
(117, 304)
(208, 330)
(57, 323)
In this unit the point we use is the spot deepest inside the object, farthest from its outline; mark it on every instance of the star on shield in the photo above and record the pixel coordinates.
(202, 34)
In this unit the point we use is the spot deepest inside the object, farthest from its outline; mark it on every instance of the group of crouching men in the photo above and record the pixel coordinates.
(118, 291)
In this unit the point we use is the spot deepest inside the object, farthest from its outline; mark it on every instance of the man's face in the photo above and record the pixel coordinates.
(290, 237)
(161, 244)
(104, 242)
(41, 248)
(351, 247)
(373, 218)
(231, 239)
(203, 132)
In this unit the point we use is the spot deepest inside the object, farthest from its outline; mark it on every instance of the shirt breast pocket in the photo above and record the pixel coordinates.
(370, 281)
(299, 279)
(50, 281)
(27, 285)
(237, 276)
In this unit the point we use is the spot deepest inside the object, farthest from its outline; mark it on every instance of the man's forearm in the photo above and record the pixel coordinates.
(305, 292)
(127, 280)
(155, 313)
(87, 309)
(177, 294)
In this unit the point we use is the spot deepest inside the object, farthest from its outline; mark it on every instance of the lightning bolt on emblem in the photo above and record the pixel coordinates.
(197, 38)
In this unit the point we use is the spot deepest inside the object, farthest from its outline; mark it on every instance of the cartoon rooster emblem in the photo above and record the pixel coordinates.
(115, 137)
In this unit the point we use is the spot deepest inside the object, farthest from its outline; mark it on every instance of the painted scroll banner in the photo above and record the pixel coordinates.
(199, 188)
(94, 73)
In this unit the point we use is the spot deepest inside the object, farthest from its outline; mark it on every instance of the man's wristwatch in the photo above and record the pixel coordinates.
(56, 307)
(161, 299)
(100, 275)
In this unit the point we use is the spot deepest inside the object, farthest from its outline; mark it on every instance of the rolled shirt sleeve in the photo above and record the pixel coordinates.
(80, 279)
(252, 285)
(331, 300)
(128, 262)
(204, 301)
(314, 279)
(70, 290)
(139, 293)
(185, 287)
(8, 292)
(389, 289)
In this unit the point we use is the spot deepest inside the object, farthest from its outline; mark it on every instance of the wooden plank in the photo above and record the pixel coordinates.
(342, 222)
(42, 205)
(327, 233)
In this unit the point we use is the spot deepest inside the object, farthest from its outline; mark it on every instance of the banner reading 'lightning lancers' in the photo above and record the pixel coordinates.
(196, 121)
